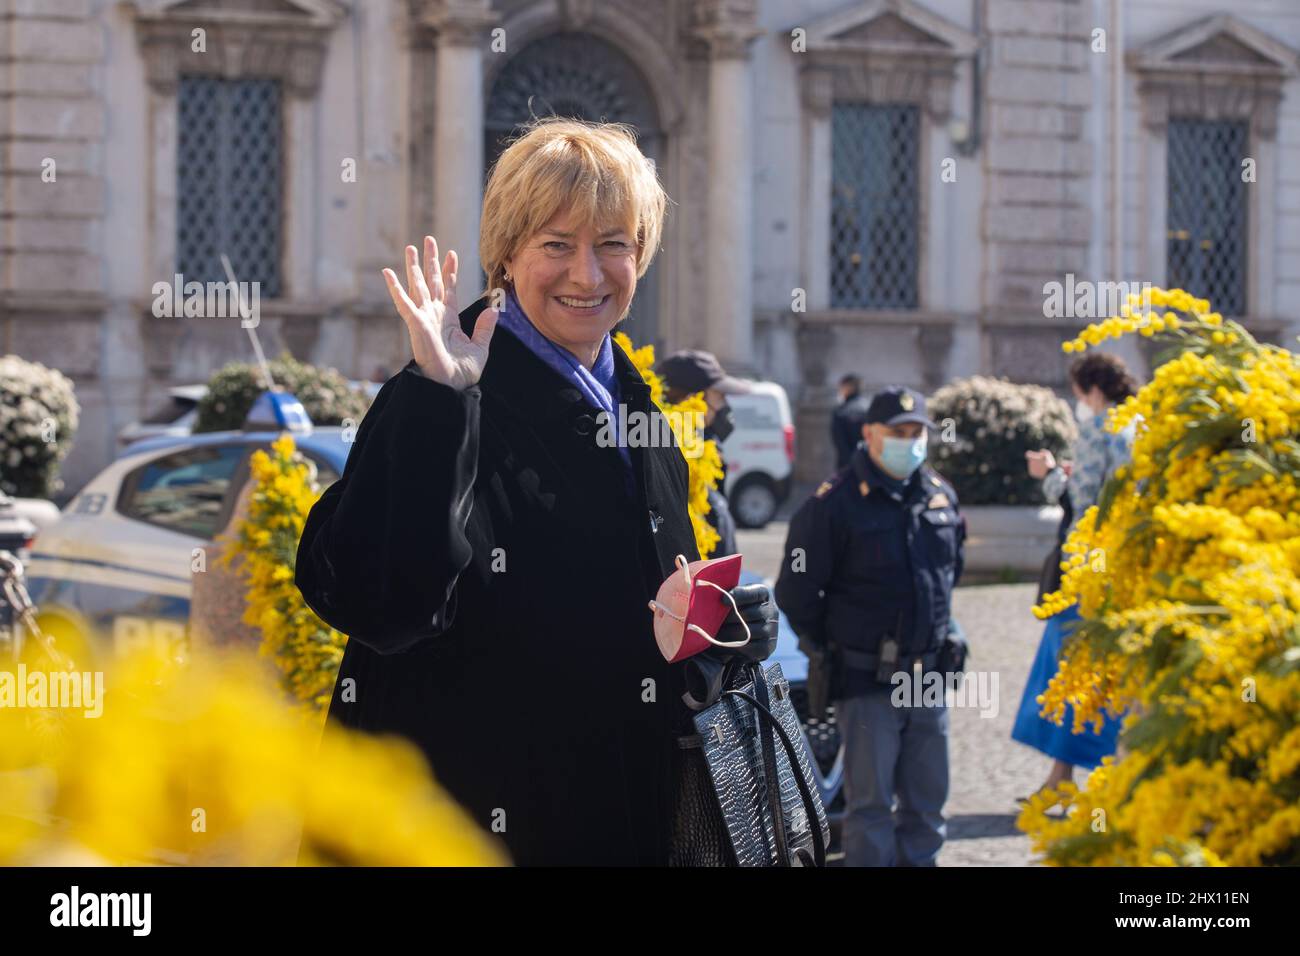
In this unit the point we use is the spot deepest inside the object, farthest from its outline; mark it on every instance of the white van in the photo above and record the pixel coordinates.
(759, 454)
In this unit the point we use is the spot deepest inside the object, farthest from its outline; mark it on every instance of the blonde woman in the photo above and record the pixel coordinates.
(490, 557)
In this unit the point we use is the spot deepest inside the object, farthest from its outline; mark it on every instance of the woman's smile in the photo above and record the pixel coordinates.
(582, 305)
(574, 281)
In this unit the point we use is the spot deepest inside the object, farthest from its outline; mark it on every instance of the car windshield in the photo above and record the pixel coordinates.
(168, 413)
(755, 411)
(184, 492)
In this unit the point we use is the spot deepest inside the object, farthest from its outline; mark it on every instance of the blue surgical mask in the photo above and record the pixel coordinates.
(902, 456)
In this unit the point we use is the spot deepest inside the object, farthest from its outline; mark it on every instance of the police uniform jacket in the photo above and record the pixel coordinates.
(864, 561)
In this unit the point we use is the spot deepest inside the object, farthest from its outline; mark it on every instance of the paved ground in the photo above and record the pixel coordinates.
(987, 769)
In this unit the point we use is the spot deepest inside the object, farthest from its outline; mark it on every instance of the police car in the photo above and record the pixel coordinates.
(114, 572)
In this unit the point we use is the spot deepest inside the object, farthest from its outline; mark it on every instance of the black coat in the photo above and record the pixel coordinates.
(846, 427)
(484, 556)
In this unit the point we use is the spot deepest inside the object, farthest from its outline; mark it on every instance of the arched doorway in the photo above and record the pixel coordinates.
(581, 76)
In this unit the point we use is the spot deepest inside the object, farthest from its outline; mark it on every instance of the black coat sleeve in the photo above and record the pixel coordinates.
(811, 546)
(719, 516)
(382, 548)
(840, 438)
(846, 429)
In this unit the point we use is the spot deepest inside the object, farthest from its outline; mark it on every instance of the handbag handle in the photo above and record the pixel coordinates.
(819, 845)
(771, 778)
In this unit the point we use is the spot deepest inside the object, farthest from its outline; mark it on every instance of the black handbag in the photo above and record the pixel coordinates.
(732, 767)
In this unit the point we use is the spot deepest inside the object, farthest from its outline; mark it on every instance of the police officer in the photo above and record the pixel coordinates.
(691, 372)
(870, 563)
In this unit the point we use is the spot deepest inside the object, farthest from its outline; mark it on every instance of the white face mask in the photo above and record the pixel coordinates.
(902, 456)
(1083, 412)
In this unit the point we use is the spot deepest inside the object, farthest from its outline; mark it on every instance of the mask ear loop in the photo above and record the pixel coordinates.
(714, 641)
(685, 567)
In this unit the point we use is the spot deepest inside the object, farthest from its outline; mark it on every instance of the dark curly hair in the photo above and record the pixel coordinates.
(1106, 371)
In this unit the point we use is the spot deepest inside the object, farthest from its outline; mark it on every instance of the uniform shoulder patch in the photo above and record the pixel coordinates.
(937, 483)
(830, 484)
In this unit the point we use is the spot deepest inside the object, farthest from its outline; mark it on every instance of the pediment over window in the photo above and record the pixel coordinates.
(1218, 67)
(888, 27)
(322, 12)
(887, 51)
(282, 39)
(1221, 45)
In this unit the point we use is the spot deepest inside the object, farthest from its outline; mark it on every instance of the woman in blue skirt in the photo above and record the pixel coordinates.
(1099, 380)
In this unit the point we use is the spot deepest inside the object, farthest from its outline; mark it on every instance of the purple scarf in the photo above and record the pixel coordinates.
(599, 385)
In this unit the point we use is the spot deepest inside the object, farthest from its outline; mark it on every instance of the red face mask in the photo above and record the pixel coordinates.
(692, 604)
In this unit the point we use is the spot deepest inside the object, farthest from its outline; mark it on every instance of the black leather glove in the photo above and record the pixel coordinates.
(757, 608)
(708, 671)
(705, 674)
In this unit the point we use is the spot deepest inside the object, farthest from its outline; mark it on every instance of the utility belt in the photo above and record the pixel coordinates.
(828, 663)
(887, 664)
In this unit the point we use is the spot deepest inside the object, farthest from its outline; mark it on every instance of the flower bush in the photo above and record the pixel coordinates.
(205, 763)
(38, 420)
(985, 427)
(324, 393)
(1187, 577)
(306, 650)
(704, 462)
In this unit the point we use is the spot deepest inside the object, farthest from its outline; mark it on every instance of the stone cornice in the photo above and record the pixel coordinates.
(1221, 45)
(453, 22)
(888, 27)
(1214, 68)
(287, 44)
(883, 51)
(881, 317)
(76, 303)
(727, 28)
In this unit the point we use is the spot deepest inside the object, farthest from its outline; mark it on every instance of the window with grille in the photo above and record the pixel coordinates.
(874, 206)
(1207, 211)
(229, 180)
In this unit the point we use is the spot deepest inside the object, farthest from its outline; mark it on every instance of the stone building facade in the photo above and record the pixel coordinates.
(877, 186)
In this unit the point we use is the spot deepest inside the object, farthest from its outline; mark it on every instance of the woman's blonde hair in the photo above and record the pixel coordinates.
(594, 169)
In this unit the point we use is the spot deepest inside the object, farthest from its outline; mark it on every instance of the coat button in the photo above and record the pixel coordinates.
(584, 425)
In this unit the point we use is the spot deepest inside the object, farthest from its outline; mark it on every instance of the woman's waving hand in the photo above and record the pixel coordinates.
(427, 305)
